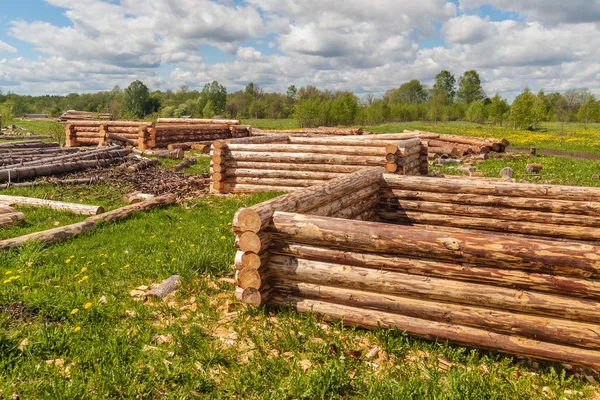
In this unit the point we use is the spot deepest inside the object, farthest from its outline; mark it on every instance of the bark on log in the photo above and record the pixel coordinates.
(165, 288)
(344, 202)
(124, 212)
(187, 145)
(306, 158)
(239, 188)
(100, 154)
(80, 181)
(380, 151)
(437, 331)
(81, 209)
(567, 286)
(250, 242)
(6, 209)
(17, 174)
(420, 287)
(463, 245)
(197, 121)
(330, 168)
(552, 330)
(275, 174)
(259, 139)
(122, 140)
(28, 144)
(253, 297)
(183, 165)
(457, 186)
(144, 164)
(76, 124)
(9, 219)
(258, 217)
(487, 224)
(271, 181)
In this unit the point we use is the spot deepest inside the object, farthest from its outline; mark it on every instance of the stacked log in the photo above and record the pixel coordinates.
(525, 293)
(459, 146)
(354, 191)
(537, 210)
(321, 131)
(173, 132)
(101, 133)
(21, 155)
(287, 163)
(73, 115)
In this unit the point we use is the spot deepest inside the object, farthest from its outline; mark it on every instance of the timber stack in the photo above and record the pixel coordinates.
(528, 288)
(185, 133)
(102, 133)
(286, 163)
(73, 115)
(460, 146)
(321, 131)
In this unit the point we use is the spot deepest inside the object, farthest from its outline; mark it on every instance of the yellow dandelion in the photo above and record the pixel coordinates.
(57, 287)
(152, 237)
(72, 256)
(192, 245)
(103, 264)
(30, 263)
(223, 238)
(85, 278)
(68, 260)
(87, 305)
(14, 278)
(179, 227)
(7, 281)
(84, 269)
(74, 311)
(76, 275)
(229, 224)
(171, 241)
(77, 329)
(126, 265)
(158, 260)
(8, 273)
(24, 287)
(173, 259)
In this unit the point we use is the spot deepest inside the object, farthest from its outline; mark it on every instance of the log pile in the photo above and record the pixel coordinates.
(102, 133)
(21, 152)
(48, 164)
(286, 163)
(460, 146)
(73, 115)
(183, 133)
(522, 292)
(321, 131)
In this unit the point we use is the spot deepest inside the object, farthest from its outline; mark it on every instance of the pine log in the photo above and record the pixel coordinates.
(380, 151)
(6, 209)
(205, 148)
(21, 137)
(187, 145)
(478, 247)
(76, 124)
(330, 168)
(100, 154)
(81, 209)
(364, 141)
(176, 154)
(259, 140)
(359, 208)
(253, 297)
(250, 242)
(403, 136)
(302, 158)
(122, 140)
(438, 331)
(502, 213)
(271, 181)
(36, 151)
(275, 174)
(124, 212)
(493, 188)
(136, 197)
(258, 217)
(143, 164)
(509, 203)
(527, 228)
(553, 330)
(9, 219)
(80, 181)
(420, 287)
(239, 188)
(17, 174)
(509, 278)
(184, 164)
(351, 199)
(28, 144)
(252, 278)
(197, 121)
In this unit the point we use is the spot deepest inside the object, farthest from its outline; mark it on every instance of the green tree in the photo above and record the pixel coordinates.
(6, 113)
(527, 111)
(136, 99)
(209, 110)
(216, 94)
(476, 112)
(409, 92)
(498, 109)
(343, 109)
(438, 107)
(291, 96)
(310, 112)
(444, 85)
(585, 112)
(469, 88)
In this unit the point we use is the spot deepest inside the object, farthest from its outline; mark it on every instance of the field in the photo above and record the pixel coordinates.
(71, 328)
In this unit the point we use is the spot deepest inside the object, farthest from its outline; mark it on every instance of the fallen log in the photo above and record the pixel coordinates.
(176, 154)
(21, 137)
(79, 181)
(300, 158)
(122, 140)
(65, 232)
(9, 219)
(275, 174)
(439, 331)
(136, 197)
(183, 165)
(28, 144)
(52, 169)
(143, 164)
(81, 209)
(187, 145)
(6, 209)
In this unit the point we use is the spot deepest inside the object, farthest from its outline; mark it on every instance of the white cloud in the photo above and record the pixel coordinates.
(6, 48)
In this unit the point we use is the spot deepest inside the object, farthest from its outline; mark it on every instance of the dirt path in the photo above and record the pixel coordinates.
(568, 154)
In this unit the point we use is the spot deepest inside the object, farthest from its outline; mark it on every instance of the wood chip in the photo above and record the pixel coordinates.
(305, 364)
(372, 353)
(24, 343)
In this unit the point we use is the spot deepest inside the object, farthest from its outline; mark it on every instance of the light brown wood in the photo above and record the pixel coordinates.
(510, 278)
(197, 121)
(126, 211)
(184, 164)
(6, 209)
(258, 139)
(276, 174)
(143, 164)
(16, 174)
(568, 258)
(253, 242)
(257, 218)
(379, 151)
(305, 158)
(329, 168)
(349, 200)
(81, 209)
(50, 236)
(438, 331)
(8, 219)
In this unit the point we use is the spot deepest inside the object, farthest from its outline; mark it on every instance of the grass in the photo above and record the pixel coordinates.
(202, 343)
(54, 129)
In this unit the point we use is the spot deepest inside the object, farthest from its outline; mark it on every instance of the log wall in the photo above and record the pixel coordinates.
(286, 163)
(102, 133)
(525, 291)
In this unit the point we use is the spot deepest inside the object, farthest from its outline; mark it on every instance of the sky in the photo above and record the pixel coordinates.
(368, 47)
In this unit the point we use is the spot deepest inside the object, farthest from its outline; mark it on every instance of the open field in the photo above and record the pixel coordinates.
(70, 327)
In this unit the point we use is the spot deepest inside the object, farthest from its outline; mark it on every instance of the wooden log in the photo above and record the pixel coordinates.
(364, 141)
(304, 158)
(122, 140)
(437, 331)
(259, 140)
(27, 144)
(527, 228)
(478, 247)
(124, 212)
(271, 181)
(550, 330)
(330, 168)
(100, 154)
(109, 124)
(176, 154)
(351, 199)
(80, 209)
(136, 197)
(8, 219)
(510, 278)
(357, 209)
(380, 151)
(491, 212)
(419, 287)
(197, 121)
(250, 242)
(17, 174)
(144, 164)
(188, 145)
(275, 174)
(508, 203)
(184, 164)
(190, 128)
(403, 136)
(21, 137)
(492, 188)
(253, 297)
(6, 209)
(238, 188)
(468, 139)
(36, 151)
(257, 218)
(80, 181)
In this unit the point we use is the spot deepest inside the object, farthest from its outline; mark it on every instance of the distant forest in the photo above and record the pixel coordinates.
(448, 99)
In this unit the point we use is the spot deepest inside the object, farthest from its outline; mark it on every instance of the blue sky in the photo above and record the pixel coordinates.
(363, 46)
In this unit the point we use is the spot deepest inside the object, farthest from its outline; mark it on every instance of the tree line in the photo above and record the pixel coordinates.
(448, 99)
